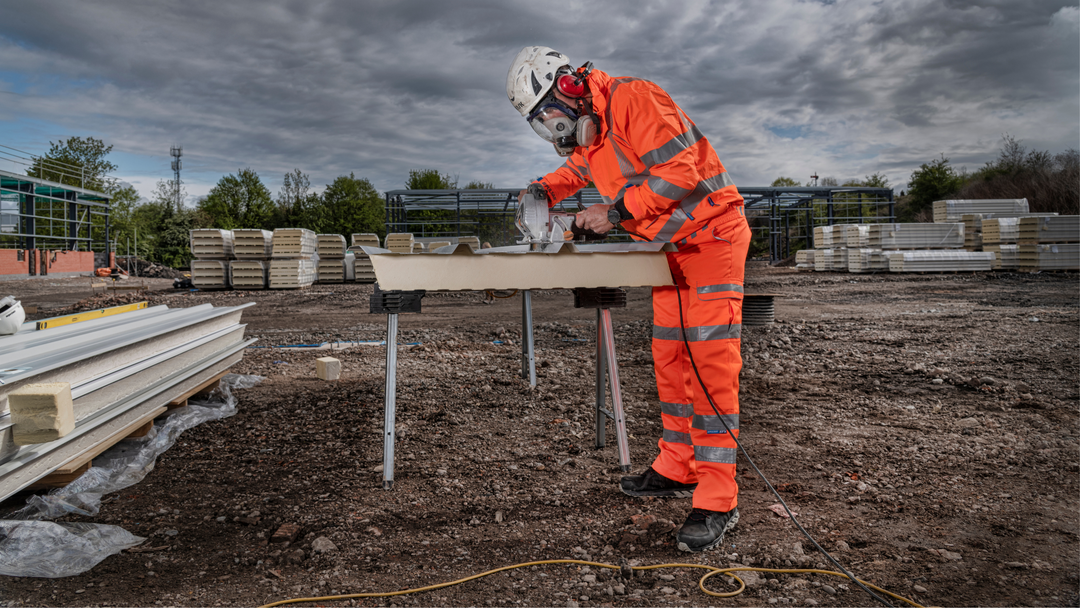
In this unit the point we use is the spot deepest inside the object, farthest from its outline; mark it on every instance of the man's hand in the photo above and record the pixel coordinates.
(595, 218)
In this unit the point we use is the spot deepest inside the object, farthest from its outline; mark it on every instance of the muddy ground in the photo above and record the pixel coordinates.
(924, 428)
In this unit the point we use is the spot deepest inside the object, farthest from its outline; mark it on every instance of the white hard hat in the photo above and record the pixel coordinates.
(12, 315)
(531, 76)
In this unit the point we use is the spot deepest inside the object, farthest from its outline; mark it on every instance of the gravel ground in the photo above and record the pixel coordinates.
(923, 427)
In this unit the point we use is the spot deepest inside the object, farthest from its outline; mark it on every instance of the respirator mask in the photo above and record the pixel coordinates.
(562, 126)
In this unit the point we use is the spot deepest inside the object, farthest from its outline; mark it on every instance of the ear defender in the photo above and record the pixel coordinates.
(570, 85)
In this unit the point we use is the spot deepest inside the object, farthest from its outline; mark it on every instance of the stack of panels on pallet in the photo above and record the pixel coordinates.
(916, 236)
(472, 241)
(973, 240)
(362, 268)
(838, 259)
(824, 237)
(1062, 256)
(331, 246)
(211, 244)
(400, 242)
(122, 371)
(997, 228)
(293, 244)
(331, 271)
(418, 248)
(437, 244)
(940, 261)
(249, 274)
(291, 274)
(253, 244)
(953, 211)
(1054, 229)
(210, 274)
(867, 260)
(821, 264)
(804, 260)
(856, 235)
(364, 239)
(1006, 257)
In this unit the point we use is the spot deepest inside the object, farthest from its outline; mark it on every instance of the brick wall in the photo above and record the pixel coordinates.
(14, 261)
(68, 261)
(32, 262)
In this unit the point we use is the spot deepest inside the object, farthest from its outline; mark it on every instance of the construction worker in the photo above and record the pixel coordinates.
(661, 181)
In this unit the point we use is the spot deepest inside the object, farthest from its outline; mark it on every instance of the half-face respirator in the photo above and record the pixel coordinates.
(563, 126)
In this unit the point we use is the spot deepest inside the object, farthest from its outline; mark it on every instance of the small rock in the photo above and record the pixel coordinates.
(969, 423)
(828, 589)
(620, 589)
(842, 546)
(498, 517)
(934, 381)
(752, 579)
(772, 600)
(797, 549)
(171, 532)
(643, 521)
(1034, 319)
(589, 578)
(378, 469)
(668, 590)
(666, 577)
(222, 519)
(1017, 565)
(987, 380)
(571, 603)
(296, 557)
(810, 602)
(323, 545)
(919, 589)
(441, 472)
(287, 533)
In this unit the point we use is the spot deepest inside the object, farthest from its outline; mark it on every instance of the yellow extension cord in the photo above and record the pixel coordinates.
(713, 571)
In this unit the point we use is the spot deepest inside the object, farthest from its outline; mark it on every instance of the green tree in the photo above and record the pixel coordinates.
(933, 181)
(478, 185)
(292, 200)
(239, 201)
(785, 182)
(353, 205)
(877, 180)
(430, 179)
(76, 161)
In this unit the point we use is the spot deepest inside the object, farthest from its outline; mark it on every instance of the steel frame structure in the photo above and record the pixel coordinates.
(782, 219)
(41, 214)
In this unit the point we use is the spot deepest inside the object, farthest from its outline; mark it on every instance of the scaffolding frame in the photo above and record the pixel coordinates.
(41, 214)
(782, 219)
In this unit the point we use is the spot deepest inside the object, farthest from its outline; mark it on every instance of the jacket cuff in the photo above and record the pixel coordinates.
(627, 205)
(624, 215)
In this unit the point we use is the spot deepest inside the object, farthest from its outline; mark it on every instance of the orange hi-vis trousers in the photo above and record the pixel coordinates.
(696, 447)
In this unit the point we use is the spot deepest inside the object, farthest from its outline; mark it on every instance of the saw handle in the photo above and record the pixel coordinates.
(578, 233)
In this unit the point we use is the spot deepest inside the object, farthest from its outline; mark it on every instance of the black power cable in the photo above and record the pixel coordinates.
(686, 342)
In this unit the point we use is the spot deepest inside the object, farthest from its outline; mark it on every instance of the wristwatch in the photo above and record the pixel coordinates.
(614, 216)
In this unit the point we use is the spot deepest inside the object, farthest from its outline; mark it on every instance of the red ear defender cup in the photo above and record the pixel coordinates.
(570, 85)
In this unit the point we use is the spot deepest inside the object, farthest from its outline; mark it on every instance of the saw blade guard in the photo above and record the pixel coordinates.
(531, 219)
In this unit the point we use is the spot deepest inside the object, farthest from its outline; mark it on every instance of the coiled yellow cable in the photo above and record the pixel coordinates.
(713, 571)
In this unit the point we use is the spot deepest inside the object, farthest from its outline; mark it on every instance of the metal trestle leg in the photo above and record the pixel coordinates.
(390, 400)
(601, 381)
(528, 353)
(607, 334)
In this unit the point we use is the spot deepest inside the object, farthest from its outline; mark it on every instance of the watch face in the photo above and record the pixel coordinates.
(613, 216)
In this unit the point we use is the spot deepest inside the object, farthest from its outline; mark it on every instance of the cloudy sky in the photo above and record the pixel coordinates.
(780, 87)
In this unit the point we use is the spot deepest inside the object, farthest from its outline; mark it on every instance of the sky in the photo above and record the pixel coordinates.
(843, 88)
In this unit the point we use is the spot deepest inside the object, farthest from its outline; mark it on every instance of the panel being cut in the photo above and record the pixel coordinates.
(561, 266)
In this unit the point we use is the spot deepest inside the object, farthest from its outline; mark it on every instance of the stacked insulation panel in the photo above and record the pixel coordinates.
(1053, 229)
(804, 260)
(855, 235)
(837, 259)
(973, 231)
(1000, 230)
(868, 260)
(292, 266)
(1060, 256)
(400, 242)
(1006, 256)
(826, 237)
(916, 236)
(363, 271)
(249, 274)
(940, 261)
(253, 244)
(418, 248)
(953, 211)
(823, 260)
(472, 241)
(123, 371)
(212, 249)
(331, 266)
(435, 245)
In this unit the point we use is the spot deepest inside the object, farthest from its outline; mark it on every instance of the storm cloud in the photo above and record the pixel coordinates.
(780, 87)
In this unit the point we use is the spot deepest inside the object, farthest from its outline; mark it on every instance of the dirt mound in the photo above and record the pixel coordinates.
(139, 267)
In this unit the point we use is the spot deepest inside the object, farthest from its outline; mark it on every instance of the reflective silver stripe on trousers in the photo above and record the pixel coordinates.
(679, 410)
(719, 288)
(681, 215)
(706, 453)
(677, 437)
(712, 423)
(673, 147)
(698, 334)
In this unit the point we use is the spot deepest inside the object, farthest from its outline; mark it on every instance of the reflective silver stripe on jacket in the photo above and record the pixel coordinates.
(706, 453)
(712, 423)
(677, 437)
(577, 171)
(673, 147)
(719, 288)
(698, 334)
(679, 410)
(681, 215)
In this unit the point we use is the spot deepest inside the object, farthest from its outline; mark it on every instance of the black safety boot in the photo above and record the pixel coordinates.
(651, 483)
(704, 530)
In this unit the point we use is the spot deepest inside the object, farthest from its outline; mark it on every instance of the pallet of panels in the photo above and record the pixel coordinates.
(210, 274)
(804, 260)
(824, 237)
(253, 244)
(123, 371)
(838, 259)
(293, 244)
(867, 260)
(856, 235)
(291, 274)
(331, 246)
(1006, 257)
(399, 242)
(331, 271)
(211, 244)
(418, 248)
(1049, 256)
(472, 241)
(364, 239)
(1053, 229)
(437, 244)
(916, 236)
(249, 274)
(822, 260)
(953, 211)
(940, 261)
(363, 269)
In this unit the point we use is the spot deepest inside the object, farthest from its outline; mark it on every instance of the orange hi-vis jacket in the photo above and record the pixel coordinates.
(649, 154)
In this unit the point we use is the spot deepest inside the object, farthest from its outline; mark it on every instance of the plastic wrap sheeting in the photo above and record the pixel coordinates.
(31, 547)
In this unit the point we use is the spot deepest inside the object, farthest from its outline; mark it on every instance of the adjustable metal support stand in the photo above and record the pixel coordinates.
(392, 303)
(607, 364)
(528, 354)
